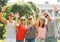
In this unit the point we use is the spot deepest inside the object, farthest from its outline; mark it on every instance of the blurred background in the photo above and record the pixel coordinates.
(27, 7)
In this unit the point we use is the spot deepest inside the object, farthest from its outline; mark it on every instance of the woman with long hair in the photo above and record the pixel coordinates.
(21, 30)
(31, 30)
(41, 30)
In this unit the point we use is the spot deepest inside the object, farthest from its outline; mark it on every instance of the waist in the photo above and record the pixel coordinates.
(50, 35)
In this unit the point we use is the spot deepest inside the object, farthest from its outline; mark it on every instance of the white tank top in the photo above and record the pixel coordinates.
(10, 30)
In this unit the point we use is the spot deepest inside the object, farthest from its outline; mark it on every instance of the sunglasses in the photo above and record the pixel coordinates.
(22, 19)
(46, 15)
(11, 15)
(30, 19)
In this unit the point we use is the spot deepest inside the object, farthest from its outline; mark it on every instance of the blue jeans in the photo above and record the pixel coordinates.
(40, 40)
(19, 40)
(51, 39)
(29, 40)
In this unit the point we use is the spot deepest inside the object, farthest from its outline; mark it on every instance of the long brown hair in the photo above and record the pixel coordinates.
(39, 23)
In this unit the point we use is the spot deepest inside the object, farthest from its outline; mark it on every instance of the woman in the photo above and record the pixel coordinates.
(41, 30)
(31, 31)
(21, 30)
(10, 27)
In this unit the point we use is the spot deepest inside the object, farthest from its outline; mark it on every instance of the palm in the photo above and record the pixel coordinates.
(55, 8)
(17, 15)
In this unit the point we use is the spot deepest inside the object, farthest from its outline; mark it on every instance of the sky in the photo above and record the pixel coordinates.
(38, 1)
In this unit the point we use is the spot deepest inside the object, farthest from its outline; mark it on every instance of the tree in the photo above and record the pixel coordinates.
(35, 8)
(3, 2)
(24, 8)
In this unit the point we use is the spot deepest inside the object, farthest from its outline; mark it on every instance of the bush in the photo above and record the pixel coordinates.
(3, 2)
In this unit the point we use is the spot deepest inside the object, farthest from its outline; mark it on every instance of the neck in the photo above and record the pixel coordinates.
(41, 24)
(22, 24)
(10, 20)
(31, 23)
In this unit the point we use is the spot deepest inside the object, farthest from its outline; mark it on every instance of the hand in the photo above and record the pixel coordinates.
(34, 14)
(55, 8)
(3, 8)
(17, 15)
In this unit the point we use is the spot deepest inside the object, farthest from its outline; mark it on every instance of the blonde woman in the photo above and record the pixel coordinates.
(31, 30)
(10, 27)
(21, 30)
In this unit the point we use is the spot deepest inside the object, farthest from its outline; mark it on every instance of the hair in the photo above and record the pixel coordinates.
(32, 18)
(11, 13)
(46, 13)
(21, 21)
(39, 23)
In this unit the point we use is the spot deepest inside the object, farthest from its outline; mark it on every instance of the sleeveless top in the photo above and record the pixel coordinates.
(20, 35)
(42, 33)
(10, 30)
(31, 32)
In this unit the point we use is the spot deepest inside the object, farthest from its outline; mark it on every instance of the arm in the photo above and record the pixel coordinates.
(56, 29)
(3, 19)
(55, 8)
(34, 19)
(16, 21)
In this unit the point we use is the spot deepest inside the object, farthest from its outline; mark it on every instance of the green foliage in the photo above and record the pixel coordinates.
(3, 2)
(34, 7)
(2, 30)
(0, 8)
(24, 8)
(8, 9)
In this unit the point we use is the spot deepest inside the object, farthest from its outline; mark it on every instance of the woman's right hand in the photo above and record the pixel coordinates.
(16, 21)
(17, 15)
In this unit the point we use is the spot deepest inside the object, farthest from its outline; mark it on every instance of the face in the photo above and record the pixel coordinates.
(30, 19)
(23, 21)
(42, 20)
(10, 17)
(46, 15)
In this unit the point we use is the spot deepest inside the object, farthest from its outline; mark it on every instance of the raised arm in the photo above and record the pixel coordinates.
(35, 21)
(3, 19)
(16, 21)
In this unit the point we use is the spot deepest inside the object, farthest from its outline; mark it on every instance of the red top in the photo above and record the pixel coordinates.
(21, 33)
